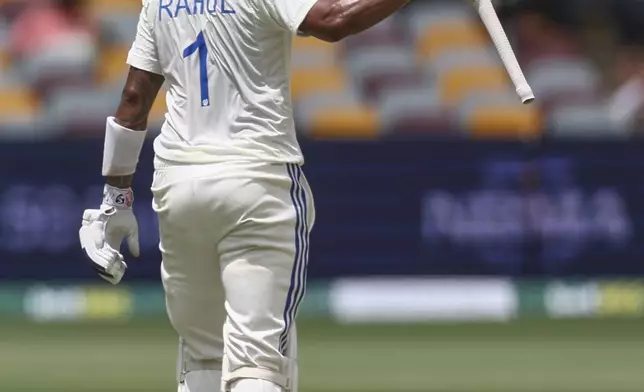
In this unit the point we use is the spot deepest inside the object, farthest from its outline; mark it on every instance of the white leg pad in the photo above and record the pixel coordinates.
(257, 374)
(243, 378)
(291, 365)
(197, 376)
(201, 381)
(254, 385)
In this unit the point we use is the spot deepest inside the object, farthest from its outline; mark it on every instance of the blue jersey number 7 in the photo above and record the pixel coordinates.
(200, 46)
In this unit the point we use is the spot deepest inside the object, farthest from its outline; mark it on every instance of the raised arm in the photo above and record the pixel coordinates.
(334, 20)
(140, 92)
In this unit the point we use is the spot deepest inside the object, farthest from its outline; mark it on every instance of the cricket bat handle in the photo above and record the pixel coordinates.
(502, 43)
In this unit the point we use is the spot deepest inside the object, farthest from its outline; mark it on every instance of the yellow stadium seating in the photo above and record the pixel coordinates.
(312, 53)
(112, 65)
(355, 123)
(458, 82)
(17, 102)
(5, 59)
(101, 6)
(305, 81)
(438, 38)
(515, 122)
(310, 43)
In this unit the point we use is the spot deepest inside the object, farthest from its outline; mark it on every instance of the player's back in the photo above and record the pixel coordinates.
(226, 65)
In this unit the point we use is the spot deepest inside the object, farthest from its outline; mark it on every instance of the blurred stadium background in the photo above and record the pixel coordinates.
(464, 243)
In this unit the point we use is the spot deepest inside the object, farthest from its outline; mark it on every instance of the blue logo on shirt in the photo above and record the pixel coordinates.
(172, 8)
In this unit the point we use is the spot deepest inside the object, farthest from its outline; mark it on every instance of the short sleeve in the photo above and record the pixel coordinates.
(288, 14)
(143, 54)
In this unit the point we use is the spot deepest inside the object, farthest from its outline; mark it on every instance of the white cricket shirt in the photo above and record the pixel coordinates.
(227, 70)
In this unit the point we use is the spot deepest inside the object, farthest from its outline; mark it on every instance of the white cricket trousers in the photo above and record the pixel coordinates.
(234, 239)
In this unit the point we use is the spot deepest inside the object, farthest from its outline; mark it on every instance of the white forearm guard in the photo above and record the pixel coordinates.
(122, 149)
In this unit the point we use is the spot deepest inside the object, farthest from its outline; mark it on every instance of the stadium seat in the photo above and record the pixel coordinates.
(306, 107)
(18, 110)
(112, 65)
(306, 81)
(378, 85)
(426, 14)
(12, 78)
(373, 69)
(17, 101)
(120, 27)
(505, 122)
(583, 121)
(310, 43)
(388, 32)
(67, 62)
(5, 60)
(308, 59)
(63, 108)
(555, 100)
(347, 122)
(312, 53)
(120, 6)
(457, 83)
(462, 57)
(414, 111)
(437, 39)
(71, 55)
(556, 76)
(5, 57)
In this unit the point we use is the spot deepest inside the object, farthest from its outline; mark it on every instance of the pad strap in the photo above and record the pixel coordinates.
(122, 149)
(257, 373)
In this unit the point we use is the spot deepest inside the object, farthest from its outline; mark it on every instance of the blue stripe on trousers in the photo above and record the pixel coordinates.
(298, 275)
(305, 237)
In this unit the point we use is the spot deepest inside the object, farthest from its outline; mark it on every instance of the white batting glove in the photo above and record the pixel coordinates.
(103, 231)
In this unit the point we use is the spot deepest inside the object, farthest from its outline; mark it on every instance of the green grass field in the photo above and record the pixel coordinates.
(531, 356)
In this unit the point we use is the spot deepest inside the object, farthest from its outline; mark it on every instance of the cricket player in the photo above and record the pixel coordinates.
(235, 210)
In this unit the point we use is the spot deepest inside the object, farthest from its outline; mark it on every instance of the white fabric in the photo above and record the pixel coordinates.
(287, 380)
(254, 385)
(143, 54)
(201, 381)
(289, 15)
(121, 150)
(233, 238)
(239, 108)
(292, 369)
